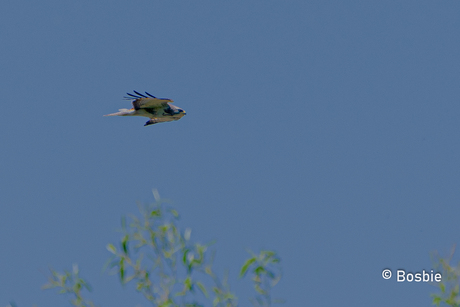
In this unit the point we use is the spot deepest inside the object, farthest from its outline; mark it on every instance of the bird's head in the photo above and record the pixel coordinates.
(181, 112)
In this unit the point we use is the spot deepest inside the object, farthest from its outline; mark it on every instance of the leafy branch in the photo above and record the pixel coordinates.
(167, 268)
(266, 273)
(70, 283)
(449, 285)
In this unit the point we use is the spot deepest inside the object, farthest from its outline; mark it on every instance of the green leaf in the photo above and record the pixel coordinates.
(201, 250)
(259, 270)
(246, 265)
(165, 304)
(155, 213)
(47, 286)
(436, 300)
(259, 289)
(129, 278)
(124, 244)
(77, 287)
(87, 286)
(202, 288)
(184, 257)
(188, 283)
(175, 213)
(122, 269)
(111, 249)
(443, 287)
(267, 253)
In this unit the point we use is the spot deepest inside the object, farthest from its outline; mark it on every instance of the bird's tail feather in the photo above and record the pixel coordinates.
(121, 112)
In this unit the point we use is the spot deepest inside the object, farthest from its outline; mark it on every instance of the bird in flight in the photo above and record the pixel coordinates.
(159, 110)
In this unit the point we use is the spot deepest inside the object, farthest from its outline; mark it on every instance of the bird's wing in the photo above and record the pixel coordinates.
(146, 103)
(143, 102)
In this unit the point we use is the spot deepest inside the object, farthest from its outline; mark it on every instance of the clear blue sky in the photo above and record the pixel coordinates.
(325, 130)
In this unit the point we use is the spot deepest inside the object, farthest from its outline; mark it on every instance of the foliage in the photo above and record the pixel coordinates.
(449, 285)
(70, 283)
(168, 269)
(266, 274)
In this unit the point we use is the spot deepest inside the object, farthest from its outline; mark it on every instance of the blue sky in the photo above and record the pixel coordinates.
(327, 131)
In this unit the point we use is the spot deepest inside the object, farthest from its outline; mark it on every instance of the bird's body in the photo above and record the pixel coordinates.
(159, 110)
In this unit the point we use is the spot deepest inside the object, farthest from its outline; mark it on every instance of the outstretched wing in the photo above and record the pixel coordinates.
(145, 102)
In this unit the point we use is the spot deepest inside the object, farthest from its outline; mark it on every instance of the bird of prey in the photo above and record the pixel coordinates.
(159, 110)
